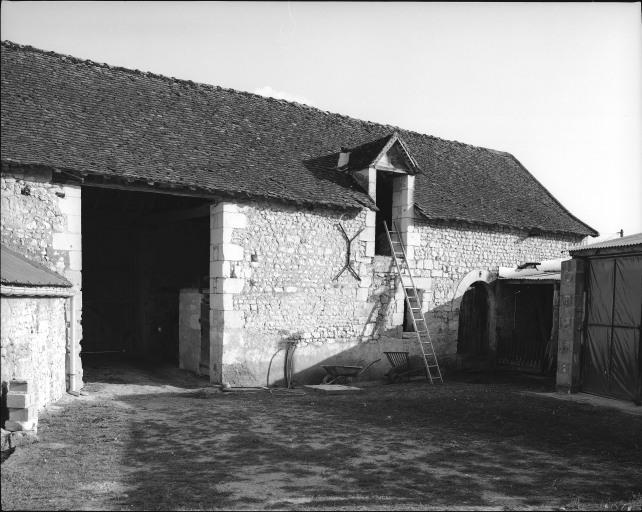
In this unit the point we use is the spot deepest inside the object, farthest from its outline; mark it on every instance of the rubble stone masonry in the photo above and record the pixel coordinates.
(450, 255)
(283, 272)
(33, 345)
(42, 220)
(285, 262)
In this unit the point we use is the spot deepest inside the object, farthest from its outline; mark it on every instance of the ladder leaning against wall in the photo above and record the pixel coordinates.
(413, 301)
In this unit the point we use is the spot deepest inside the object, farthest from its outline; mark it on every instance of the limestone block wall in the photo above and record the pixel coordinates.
(273, 275)
(33, 342)
(446, 253)
(42, 220)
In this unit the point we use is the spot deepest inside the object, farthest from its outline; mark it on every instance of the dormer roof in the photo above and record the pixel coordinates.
(389, 153)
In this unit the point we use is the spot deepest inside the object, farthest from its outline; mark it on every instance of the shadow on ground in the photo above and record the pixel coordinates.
(402, 446)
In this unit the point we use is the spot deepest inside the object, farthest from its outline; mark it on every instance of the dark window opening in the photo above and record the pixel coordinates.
(472, 339)
(384, 203)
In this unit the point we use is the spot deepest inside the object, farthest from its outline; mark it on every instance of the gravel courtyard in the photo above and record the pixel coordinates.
(161, 439)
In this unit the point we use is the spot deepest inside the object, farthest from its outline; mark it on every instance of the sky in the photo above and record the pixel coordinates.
(558, 85)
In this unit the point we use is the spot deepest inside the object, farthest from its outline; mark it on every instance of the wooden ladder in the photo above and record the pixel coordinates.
(413, 301)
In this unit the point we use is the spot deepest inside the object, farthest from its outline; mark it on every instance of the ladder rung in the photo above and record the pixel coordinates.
(414, 302)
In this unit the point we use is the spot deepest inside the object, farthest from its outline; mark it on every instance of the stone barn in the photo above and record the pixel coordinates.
(205, 227)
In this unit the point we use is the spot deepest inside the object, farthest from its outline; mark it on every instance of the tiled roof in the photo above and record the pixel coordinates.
(625, 241)
(16, 270)
(366, 154)
(77, 115)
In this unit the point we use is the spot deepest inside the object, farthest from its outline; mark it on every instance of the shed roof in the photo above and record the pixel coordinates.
(625, 241)
(548, 270)
(16, 270)
(79, 116)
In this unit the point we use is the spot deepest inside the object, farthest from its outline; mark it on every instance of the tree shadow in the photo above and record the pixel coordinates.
(414, 444)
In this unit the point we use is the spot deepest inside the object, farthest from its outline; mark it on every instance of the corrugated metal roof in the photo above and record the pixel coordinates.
(17, 270)
(625, 241)
(546, 270)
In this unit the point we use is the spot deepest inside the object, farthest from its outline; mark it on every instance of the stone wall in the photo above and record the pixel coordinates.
(273, 269)
(450, 256)
(277, 284)
(33, 339)
(42, 220)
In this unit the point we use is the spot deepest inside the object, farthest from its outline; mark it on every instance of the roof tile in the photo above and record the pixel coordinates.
(80, 116)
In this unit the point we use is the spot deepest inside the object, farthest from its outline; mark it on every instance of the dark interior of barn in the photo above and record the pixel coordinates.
(524, 322)
(139, 250)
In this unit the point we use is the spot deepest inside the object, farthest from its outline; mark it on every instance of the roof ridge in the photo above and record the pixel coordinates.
(191, 83)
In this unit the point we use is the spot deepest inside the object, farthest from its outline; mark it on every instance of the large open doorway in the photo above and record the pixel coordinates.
(139, 250)
(473, 330)
(384, 203)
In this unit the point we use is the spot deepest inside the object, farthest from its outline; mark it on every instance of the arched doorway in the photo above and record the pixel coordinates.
(472, 339)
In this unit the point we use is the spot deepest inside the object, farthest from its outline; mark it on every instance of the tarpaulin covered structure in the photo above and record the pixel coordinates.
(610, 356)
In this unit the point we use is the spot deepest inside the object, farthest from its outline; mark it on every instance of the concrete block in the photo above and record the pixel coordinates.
(413, 238)
(367, 235)
(67, 241)
(72, 191)
(371, 219)
(222, 301)
(75, 260)
(235, 220)
(27, 414)
(74, 223)
(69, 205)
(21, 386)
(16, 426)
(423, 283)
(224, 207)
(221, 235)
(220, 268)
(19, 400)
(370, 249)
(228, 220)
(234, 320)
(229, 285)
(75, 276)
(231, 252)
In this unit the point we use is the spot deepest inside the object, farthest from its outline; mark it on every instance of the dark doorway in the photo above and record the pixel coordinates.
(524, 325)
(407, 313)
(139, 250)
(472, 337)
(384, 203)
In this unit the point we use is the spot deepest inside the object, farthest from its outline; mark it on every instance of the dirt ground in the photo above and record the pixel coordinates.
(161, 439)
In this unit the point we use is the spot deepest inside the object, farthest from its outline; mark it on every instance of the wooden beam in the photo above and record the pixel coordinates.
(176, 215)
(154, 190)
